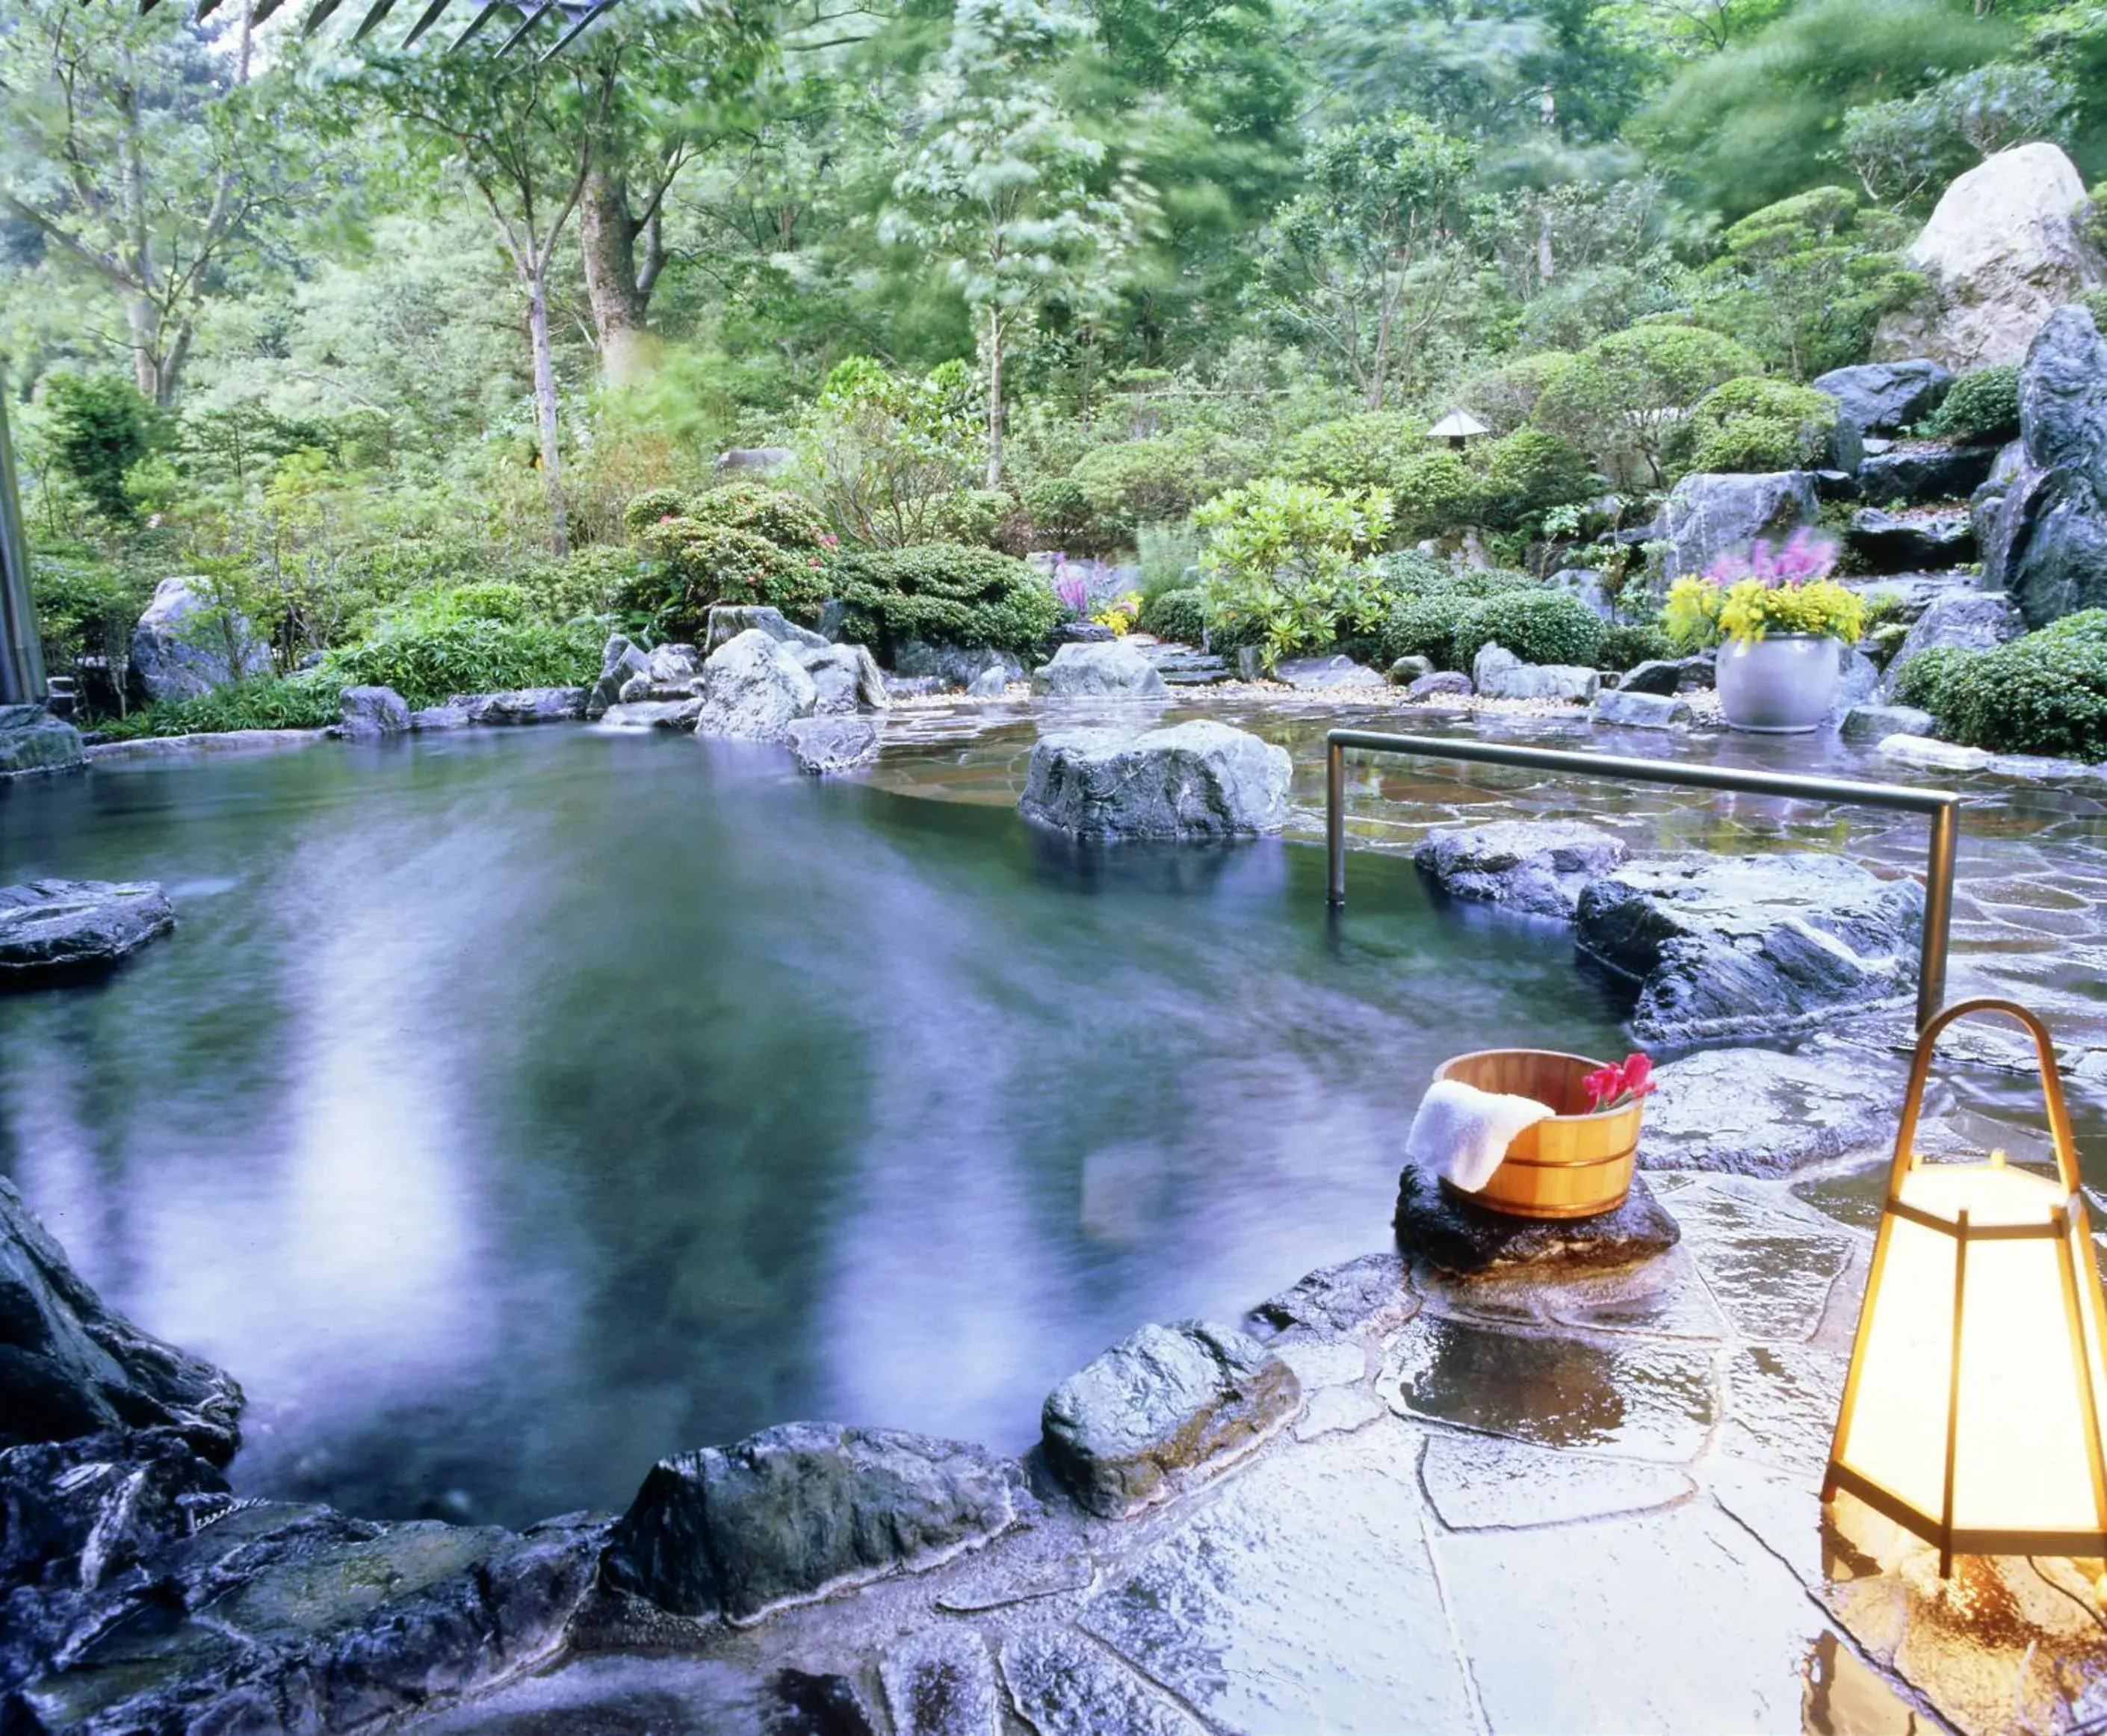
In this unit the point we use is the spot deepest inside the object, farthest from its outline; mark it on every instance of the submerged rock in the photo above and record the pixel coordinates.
(1130, 1428)
(1197, 780)
(69, 1367)
(52, 928)
(1497, 673)
(846, 677)
(753, 689)
(1535, 866)
(525, 705)
(32, 740)
(1459, 1236)
(833, 744)
(796, 1511)
(1321, 674)
(1109, 670)
(1750, 946)
(371, 711)
(185, 645)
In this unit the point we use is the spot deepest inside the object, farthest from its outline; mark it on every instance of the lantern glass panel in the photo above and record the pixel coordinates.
(1897, 1433)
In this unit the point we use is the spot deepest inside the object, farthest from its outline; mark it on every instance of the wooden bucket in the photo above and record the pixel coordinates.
(1575, 1164)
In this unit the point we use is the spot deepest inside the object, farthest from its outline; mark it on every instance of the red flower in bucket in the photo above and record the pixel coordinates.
(1614, 1085)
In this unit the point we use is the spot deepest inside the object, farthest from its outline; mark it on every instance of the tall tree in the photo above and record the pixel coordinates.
(145, 152)
(1006, 186)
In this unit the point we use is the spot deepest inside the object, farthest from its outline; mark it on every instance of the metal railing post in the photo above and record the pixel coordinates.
(1941, 808)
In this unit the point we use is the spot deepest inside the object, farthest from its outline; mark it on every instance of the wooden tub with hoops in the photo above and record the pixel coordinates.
(1576, 1164)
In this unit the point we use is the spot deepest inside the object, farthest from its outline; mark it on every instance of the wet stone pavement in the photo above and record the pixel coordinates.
(1511, 1503)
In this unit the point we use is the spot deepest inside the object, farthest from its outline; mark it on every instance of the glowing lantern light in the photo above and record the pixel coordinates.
(1971, 1414)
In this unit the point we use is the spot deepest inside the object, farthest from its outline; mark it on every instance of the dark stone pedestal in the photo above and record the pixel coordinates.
(1463, 1239)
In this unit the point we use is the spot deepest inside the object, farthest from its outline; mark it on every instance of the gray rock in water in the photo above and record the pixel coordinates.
(846, 677)
(1632, 711)
(1460, 1237)
(185, 645)
(1197, 780)
(653, 714)
(1407, 670)
(1964, 620)
(32, 740)
(69, 1367)
(954, 665)
(673, 666)
(1751, 946)
(620, 662)
(1445, 683)
(990, 684)
(1875, 723)
(1708, 515)
(796, 1511)
(370, 711)
(1886, 543)
(53, 928)
(1933, 754)
(833, 744)
(453, 715)
(1130, 1428)
(1322, 674)
(726, 621)
(1099, 671)
(525, 705)
(1881, 398)
(753, 689)
(1498, 674)
(1535, 866)
(1758, 1112)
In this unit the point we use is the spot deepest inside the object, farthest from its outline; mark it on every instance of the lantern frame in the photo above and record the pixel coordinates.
(2068, 1225)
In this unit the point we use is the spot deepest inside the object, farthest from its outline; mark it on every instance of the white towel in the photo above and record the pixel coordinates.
(1462, 1133)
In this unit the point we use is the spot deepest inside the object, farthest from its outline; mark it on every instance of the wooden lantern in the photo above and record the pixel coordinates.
(1971, 1414)
(1576, 1164)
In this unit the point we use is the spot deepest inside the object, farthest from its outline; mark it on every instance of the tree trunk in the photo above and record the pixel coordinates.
(994, 398)
(145, 319)
(607, 237)
(544, 407)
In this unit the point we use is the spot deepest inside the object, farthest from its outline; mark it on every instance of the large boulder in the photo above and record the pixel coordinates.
(1708, 515)
(2044, 534)
(754, 688)
(726, 621)
(1160, 1407)
(798, 1510)
(1110, 670)
(1631, 711)
(185, 645)
(32, 740)
(1921, 542)
(820, 745)
(522, 705)
(1726, 947)
(1196, 780)
(2003, 250)
(370, 712)
(1455, 1235)
(1538, 867)
(1957, 620)
(622, 661)
(847, 675)
(69, 1367)
(1922, 475)
(1882, 397)
(1497, 673)
(55, 928)
(952, 666)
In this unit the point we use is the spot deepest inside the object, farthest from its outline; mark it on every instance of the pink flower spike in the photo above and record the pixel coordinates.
(1603, 1084)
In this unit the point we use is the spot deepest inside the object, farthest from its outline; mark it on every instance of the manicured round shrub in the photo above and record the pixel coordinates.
(1753, 424)
(1982, 409)
(1432, 600)
(2044, 693)
(1538, 626)
(1362, 451)
(1061, 516)
(695, 564)
(1623, 647)
(1506, 397)
(1524, 474)
(1433, 493)
(1179, 615)
(1138, 481)
(973, 516)
(945, 593)
(788, 520)
(648, 508)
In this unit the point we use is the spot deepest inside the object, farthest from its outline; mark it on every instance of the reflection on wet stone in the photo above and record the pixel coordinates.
(1476, 1482)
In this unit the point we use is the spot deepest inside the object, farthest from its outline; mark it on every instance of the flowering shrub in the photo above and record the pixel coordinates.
(1121, 613)
(1744, 597)
(1619, 1083)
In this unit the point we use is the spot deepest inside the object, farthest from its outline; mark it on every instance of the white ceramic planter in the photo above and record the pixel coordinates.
(1781, 684)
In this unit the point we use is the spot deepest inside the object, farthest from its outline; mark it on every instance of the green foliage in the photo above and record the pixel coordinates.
(1428, 601)
(695, 563)
(1528, 473)
(2044, 693)
(1982, 409)
(1179, 615)
(1538, 626)
(1061, 517)
(1505, 398)
(1905, 151)
(587, 582)
(1139, 481)
(1623, 647)
(1435, 492)
(974, 516)
(1624, 394)
(98, 429)
(428, 661)
(1362, 451)
(1757, 424)
(307, 701)
(887, 449)
(1286, 564)
(647, 509)
(1169, 558)
(86, 607)
(946, 594)
(776, 515)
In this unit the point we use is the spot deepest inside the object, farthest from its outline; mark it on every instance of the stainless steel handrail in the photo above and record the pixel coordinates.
(1941, 807)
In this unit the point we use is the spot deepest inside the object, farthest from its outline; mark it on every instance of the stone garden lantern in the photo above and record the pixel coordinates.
(1458, 427)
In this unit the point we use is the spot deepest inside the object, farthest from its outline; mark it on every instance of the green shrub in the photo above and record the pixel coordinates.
(945, 593)
(1506, 397)
(2044, 693)
(1435, 492)
(1290, 560)
(1138, 481)
(1618, 397)
(307, 701)
(1538, 626)
(1363, 452)
(587, 581)
(973, 515)
(1982, 409)
(1753, 424)
(647, 509)
(1430, 599)
(1060, 513)
(1623, 647)
(86, 607)
(1170, 557)
(427, 662)
(1179, 615)
(695, 564)
(1524, 474)
(789, 520)
(486, 599)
